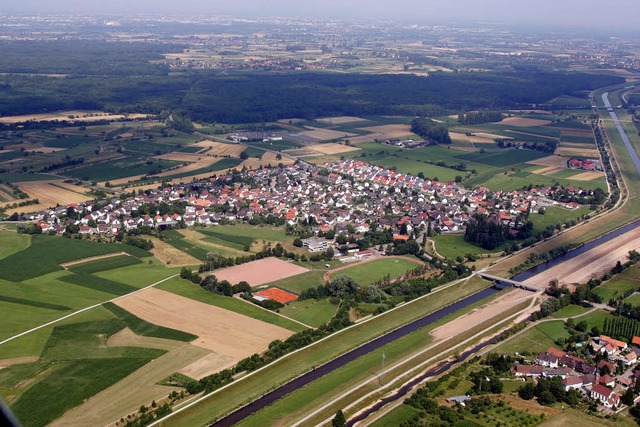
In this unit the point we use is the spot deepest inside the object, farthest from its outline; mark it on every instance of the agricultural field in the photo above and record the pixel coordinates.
(311, 312)
(615, 287)
(454, 245)
(300, 282)
(259, 272)
(369, 272)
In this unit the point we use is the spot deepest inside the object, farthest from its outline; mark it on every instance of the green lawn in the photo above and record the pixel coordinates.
(310, 312)
(633, 300)
(569, 311)
(190, 290)
(300, 282)
(370, 272)
(452, 245)
(503, 158)
(414, 167)
(619, 284)
(12, 242)
(268, 233)
(396, 416)
(111, 263)
(12, 376)
(555, 214)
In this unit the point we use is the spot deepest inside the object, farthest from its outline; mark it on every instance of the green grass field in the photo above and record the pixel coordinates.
(111, 263)
(553, 215)
(569, 311)
(373, 271)
(12, 242)
(270, 234)
(414, 167)
(633, 300)
(396, 417)
(178, 241)
(619, 284)
(452, 245)
(46, 253)
(503, 158)
(310, 312)
(195, 292)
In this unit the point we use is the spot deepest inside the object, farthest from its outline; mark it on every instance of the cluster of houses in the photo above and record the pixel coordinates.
(585, 164)
(605, 381)
(352, 195)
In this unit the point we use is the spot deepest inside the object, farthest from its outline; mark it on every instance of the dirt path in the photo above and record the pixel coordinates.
(66, 265)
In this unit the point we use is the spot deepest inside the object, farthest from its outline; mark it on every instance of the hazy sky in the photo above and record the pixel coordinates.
(621, 15)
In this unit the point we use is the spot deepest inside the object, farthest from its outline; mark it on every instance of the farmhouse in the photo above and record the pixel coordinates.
(605, 395)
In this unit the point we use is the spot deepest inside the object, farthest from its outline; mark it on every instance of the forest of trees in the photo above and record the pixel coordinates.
(478, 117)
(121, 78)
(430, 130)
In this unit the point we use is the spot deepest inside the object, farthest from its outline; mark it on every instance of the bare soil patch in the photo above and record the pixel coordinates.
(480, 314)
(523, 122)
(171, 256)
(332, 148)
(223, 331)
(209, 364)
(340, 120)
(553, 160)
(325, 134)
(259, 272)
(588, 176)
(594, 262)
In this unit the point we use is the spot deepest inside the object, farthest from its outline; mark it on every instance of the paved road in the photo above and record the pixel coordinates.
(621, 131)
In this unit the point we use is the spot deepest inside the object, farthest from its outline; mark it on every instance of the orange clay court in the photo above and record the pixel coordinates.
(277, 294)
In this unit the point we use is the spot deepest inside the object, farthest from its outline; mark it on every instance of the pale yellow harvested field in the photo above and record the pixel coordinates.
(481, 314)
(221, 149)
(126, 180)
(325, 134)
(143, 187)
(250, 163)
(548, 170)
(555, 161)
(523, 122)
(137, 389)
(270, 158)
(209, 364)
(389, 131)
(259, 272)
(581, 152)
(171, 256)
(49, 195)
(588, 176)
(596, 262)
(332, 148)
(181, 157)
(341, 120)
(223, 331)
(64, 115)
(455, 136)
(476, 139)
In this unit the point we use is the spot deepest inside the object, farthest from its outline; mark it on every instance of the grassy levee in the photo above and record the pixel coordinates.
(322, 391)
(594, 228)
(289, 367)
